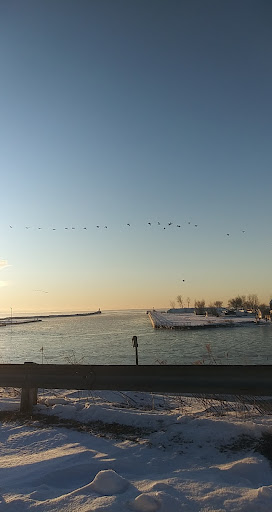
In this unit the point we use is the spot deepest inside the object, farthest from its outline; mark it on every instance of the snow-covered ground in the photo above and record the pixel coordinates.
(112, 451)
(190, 320)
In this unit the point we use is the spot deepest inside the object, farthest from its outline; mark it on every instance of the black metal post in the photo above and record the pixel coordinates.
(135, 345)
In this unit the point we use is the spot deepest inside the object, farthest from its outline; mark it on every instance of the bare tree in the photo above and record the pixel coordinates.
(172, 304)
(238, 302)
(218, 303)
(188, 301)
(212, 309)
(200, 303)
(243, 302)
(252, 302)
(200, 306)
(180, 301)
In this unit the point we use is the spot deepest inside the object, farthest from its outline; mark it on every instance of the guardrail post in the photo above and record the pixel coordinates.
(29, 395)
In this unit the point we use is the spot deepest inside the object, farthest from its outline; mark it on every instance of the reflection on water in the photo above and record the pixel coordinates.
(106, 339)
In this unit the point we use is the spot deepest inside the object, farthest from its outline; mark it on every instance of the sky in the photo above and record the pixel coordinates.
(137, 117)
(189, 454)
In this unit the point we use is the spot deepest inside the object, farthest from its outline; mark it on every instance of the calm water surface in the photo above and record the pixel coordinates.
(106, 339)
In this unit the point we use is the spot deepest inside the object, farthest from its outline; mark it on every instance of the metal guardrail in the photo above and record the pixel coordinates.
(215, 379)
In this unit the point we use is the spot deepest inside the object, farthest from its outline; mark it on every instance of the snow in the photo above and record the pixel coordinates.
(191, 321)
(125, 452)
(108, 482)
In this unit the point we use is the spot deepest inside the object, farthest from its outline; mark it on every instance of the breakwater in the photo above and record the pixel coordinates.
(191, 321)
(36, 318)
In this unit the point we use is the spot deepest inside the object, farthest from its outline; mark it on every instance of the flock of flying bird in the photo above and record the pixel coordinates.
(127, 225)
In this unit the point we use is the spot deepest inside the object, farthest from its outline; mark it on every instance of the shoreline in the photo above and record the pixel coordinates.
(190, 321)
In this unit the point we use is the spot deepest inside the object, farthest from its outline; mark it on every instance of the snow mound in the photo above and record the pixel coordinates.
(265, 492)
(108, 482)
(153, 501)
(249, 470)
(145, 503)
(55, 401)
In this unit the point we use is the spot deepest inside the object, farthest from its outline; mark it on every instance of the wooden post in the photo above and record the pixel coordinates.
(29, 395)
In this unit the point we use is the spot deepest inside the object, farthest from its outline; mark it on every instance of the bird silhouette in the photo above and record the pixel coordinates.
(128, 225)
(170, 223)
(159, 223)
(149, 223)
(178, 226)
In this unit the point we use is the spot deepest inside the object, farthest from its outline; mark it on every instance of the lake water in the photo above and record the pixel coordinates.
(107, 339)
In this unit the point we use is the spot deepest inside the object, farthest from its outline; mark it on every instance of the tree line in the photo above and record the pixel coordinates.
(248, 303)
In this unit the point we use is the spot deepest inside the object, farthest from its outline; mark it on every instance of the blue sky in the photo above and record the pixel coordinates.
(117, 112)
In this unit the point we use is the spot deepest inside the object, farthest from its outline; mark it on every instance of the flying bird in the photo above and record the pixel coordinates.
(84, 228)
(178, 226)
(128, 225)
(97, 226)
(159, 223)
(10, 226)
(170, 223)
(149, 223)
(227, 234)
